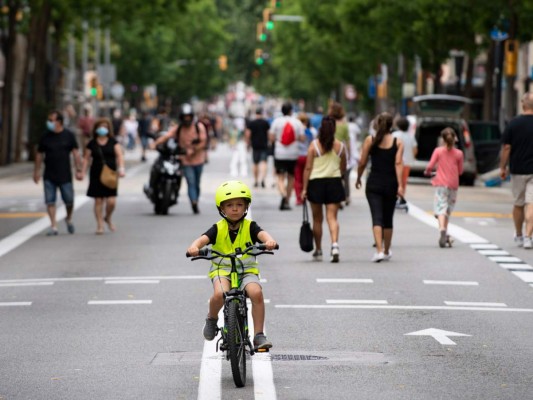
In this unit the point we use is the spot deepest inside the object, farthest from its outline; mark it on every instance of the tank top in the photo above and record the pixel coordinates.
(383, 170)
(326, 165)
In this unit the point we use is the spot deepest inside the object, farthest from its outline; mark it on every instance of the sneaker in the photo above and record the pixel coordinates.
(210, 328)
(70, 227)
(388, 256)
(378, 257)
(263, 184)
(335, 254)
(528, 243)
(442, 239)
(519, 240)
(52, 232)
(317, 255)
(261, 341)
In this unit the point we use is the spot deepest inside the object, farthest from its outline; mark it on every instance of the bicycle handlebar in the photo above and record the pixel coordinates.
(207, 253)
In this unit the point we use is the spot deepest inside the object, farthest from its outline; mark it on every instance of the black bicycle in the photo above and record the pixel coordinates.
(235, 339)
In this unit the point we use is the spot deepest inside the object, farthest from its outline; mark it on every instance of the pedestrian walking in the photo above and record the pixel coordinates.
(410, 150)
(384, 183)
(239, 157)
(310, 134)
(449, 163)
(257, 139)
(322, 184)
(131, 125)
(55, 147)
(85, 125)
(336, 110)
(285, 133)
(144, 128)
(517, 151)
(102, 150)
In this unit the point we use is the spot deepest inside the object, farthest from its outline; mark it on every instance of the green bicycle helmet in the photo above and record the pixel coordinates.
(232, 190)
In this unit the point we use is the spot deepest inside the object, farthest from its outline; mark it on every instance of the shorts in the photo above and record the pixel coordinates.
(444, 201)
(144, 141)
(285, 166)
(247, 278)
(259, 155)
(522, 188)
(50, 192)
(325, 191)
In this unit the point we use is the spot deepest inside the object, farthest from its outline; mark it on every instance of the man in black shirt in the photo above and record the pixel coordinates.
(517, 149)
(257, 138)
(56, 145)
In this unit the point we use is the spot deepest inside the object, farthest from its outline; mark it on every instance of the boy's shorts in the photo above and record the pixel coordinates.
(444, 201)
(247, 278)
(50, 192)
(522, 187)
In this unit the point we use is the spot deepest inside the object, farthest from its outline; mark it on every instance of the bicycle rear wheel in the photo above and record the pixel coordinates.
(236, 344)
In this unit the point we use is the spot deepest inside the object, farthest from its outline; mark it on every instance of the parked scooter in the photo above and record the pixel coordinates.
(165, 177)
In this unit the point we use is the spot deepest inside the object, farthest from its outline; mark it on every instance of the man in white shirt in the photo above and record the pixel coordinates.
(285, 132)
(410, 150)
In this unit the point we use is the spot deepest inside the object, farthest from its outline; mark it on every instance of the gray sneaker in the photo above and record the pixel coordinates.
(528, 243)
(519, 240)
(261, 342)
(210, 328)
(317, 255)
(442, 239)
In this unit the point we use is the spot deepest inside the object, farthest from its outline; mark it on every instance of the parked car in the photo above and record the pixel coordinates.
(434, 113)
(487, 138)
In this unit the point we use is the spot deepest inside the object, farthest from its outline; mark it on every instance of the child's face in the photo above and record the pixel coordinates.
(234, 209)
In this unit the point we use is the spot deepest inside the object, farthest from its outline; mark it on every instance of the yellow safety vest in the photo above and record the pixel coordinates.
(222, 266)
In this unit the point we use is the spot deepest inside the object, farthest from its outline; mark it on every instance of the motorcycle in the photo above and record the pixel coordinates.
(165, 177)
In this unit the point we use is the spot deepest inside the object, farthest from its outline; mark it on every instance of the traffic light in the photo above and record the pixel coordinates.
(275, 3)
(267, 19)
(261, 32)
(94, 86)
(223, 62)
(511, 57)
(258, 57)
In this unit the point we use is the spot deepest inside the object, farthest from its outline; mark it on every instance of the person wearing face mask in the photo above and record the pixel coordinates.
(192, 138)
(55, 148)
(103, 148)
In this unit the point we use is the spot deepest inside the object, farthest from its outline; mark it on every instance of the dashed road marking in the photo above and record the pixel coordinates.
(15, 303)
(493, 252)
(399, 307)
(458, 283)
(474, 304)
(107, 278)
(349, 301)
(502, 259)
(26, 284)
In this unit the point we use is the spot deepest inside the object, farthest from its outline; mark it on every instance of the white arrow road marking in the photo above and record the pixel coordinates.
(439, 335)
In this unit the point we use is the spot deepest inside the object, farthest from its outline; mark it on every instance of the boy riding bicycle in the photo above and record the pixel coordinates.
(233, 199)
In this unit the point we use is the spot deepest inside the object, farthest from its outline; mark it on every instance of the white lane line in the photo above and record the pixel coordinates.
(493, 252)
(24, 234)
(393, 307)
(106, 278)
(263, 375)
(249, 302)
(15, 303)
(343, 280)
(209, 386)
(129, 281)
(455, 231)
(338, 301)
(516, 266)
(474, 304)
(459, 283)
(504, 259)
(26, 284)
(484, 246)
(114, 302)
(526, 276)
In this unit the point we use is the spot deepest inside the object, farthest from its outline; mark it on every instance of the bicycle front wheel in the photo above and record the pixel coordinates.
(236, 344)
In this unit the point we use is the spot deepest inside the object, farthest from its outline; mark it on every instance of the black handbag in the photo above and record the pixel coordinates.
(306, 233)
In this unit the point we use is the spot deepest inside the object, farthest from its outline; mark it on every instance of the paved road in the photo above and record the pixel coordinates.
(119, 316)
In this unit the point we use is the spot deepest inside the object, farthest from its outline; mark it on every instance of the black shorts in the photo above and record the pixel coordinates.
(325, 191)
(259, 155)
(285, 166)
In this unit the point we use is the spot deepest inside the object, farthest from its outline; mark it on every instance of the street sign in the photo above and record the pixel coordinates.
(372, 87)
(497, 35)
(350, 93)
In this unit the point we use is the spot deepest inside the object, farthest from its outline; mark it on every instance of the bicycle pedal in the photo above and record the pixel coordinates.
(262, 350)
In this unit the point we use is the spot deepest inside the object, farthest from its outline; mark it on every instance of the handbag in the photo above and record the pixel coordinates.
(306, 233)
(108, 176)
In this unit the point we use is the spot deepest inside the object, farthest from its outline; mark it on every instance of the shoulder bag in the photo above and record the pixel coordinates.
(108, 176)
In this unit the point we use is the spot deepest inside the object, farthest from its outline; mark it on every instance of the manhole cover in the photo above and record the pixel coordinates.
(296, 357)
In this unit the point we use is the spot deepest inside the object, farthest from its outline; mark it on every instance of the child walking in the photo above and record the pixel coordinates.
(449, 163)
(233, 199)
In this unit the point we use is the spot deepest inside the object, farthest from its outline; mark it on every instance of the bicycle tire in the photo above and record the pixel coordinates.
(236, 344)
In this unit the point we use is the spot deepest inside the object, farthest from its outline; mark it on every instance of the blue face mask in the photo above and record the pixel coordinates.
(51, 125)
(102, 131)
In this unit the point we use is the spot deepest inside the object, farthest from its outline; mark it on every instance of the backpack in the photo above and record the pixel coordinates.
(288, 136)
